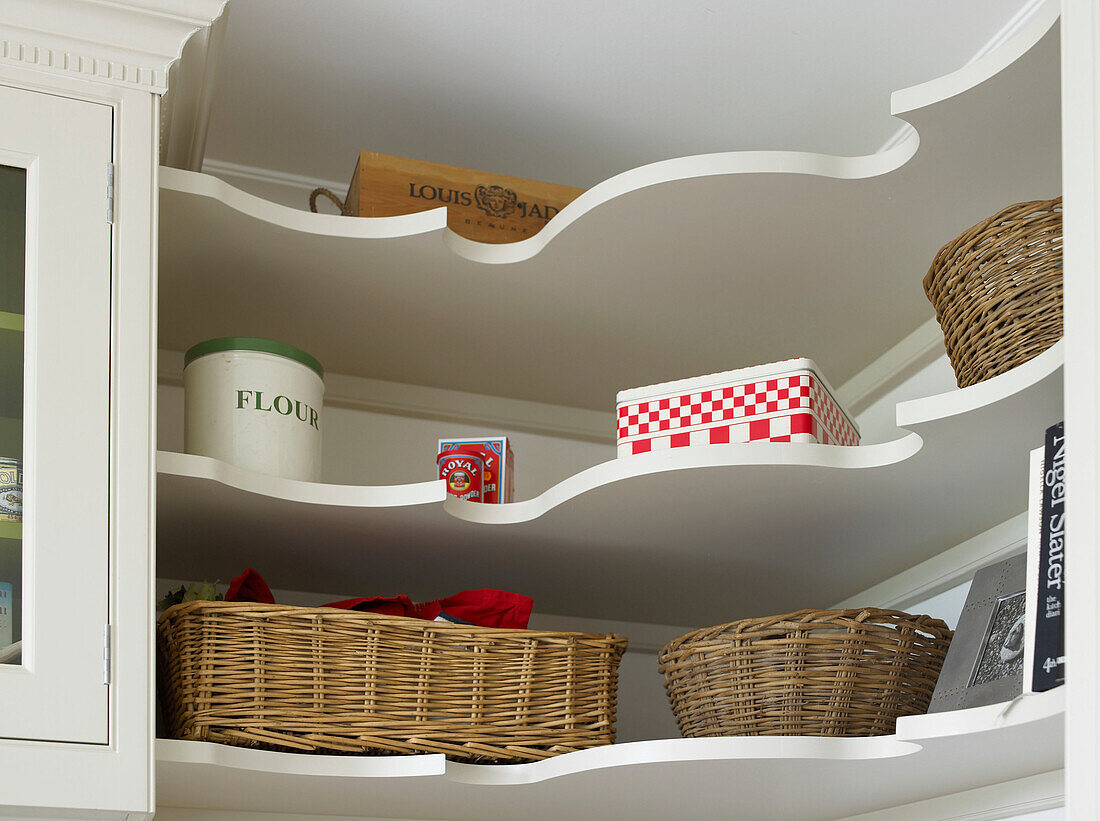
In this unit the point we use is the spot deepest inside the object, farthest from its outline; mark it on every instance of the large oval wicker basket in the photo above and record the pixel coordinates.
(997, 290)
(814, 672)
(318, 679)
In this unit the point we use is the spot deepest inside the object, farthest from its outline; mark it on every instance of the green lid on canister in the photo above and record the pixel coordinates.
(252, 343)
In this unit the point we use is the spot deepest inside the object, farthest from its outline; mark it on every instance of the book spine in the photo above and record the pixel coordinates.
(1049, 668)
(1034, 540)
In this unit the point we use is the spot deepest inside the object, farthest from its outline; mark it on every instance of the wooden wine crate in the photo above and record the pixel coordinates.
(480, 206)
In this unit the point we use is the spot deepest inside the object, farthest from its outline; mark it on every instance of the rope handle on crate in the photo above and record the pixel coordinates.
(325, 192)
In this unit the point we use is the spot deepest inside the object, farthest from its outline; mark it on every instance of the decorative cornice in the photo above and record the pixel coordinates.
(185, 108)
(129, 43)
(59, 59)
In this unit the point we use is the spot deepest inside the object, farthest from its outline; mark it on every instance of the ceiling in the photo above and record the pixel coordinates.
(573, 91)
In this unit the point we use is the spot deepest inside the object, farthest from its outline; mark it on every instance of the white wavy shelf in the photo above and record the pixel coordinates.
(807, 458)
(690, 265)
(680, 168)
(325, 225)
(1032, 374)
(770, 454)
(750, 528)
(1040, 375)
(636, 179)
(190, 466)
(691, 778)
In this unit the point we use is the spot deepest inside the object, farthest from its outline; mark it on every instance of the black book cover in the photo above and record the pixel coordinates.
(1049, 657)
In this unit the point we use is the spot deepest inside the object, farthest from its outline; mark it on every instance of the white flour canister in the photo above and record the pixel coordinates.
(256, 404)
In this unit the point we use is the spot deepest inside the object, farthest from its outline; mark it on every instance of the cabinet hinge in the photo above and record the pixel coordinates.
(111, 193)
(106, 654)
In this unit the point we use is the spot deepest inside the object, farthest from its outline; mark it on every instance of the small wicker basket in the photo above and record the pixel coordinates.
(997, 290)
(336, 681)
(814, 672)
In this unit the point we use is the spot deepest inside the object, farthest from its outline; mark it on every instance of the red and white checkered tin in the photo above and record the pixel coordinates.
(786, 401)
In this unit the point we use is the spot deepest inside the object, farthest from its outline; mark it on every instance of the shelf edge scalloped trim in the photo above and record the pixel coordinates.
(190, 466)
(922, 95)
(202, 753)
(208, 754)
(203, 185)
(1025, 709)
(657, 173)
(1043, 707)
(729, 163)
(911, 731)
(633, 753)
(984, 394)
(793, 454)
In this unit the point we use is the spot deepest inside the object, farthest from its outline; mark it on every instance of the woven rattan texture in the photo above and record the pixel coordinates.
(997, 290)
(814, 672)
(337, 681)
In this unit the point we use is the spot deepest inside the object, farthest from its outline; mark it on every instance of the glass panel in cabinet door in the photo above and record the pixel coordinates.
(13, 238)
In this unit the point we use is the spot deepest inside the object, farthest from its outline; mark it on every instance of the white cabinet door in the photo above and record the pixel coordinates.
(55, 395)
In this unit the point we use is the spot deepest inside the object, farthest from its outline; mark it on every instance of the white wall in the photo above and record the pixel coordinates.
(876, 420)
(946, 606)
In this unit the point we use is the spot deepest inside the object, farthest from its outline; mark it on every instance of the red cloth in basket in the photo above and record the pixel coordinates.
(484, 608)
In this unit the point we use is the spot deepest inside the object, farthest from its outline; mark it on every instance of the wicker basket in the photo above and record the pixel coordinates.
(814, 672)
(997, 290)
(337, 681)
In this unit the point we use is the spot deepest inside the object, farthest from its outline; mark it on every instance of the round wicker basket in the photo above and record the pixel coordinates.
(997, 290)
(814, 672)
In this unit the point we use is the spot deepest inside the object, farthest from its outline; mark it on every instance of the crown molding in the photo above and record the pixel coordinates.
(129, 43)
(185, 107)
(165, 47)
